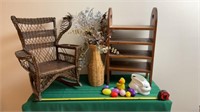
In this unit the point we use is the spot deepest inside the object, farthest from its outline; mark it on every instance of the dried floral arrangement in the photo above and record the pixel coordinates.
(92, 26)
(89, 25)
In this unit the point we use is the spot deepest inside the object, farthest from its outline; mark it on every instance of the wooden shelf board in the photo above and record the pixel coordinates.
(136, 54)
(136, 41)
(130, 66)
(132, 27)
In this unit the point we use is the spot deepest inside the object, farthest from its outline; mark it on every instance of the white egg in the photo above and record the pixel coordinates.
(122, 92)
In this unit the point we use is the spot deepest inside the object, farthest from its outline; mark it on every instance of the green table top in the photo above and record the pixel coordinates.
(88, 98)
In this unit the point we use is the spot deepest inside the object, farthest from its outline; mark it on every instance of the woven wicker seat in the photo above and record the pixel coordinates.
(42, 56)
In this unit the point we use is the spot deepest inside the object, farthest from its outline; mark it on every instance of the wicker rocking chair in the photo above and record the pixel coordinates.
(42, 56)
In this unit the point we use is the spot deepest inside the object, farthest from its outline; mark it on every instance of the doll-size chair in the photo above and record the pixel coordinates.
(42, 56)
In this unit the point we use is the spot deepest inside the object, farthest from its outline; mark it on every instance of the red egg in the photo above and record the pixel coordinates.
(114, 94)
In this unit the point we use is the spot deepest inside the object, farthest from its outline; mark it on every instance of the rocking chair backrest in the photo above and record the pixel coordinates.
(37, 36)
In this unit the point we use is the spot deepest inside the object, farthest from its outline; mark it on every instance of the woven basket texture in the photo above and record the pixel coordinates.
(96, 67)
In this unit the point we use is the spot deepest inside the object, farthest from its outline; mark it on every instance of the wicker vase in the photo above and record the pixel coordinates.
(96, 67)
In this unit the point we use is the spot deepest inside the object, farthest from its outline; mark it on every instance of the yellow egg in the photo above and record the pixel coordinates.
(128, 94)
(106, 91)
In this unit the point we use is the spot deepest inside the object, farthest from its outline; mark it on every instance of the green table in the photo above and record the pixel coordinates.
(59, 97)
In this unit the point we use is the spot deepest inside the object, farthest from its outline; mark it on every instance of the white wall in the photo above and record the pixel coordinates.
(199, 54)
(177, 50)
(0, 53)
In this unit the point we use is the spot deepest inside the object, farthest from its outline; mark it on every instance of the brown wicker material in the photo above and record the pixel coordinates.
(42, 56)
(95, 68)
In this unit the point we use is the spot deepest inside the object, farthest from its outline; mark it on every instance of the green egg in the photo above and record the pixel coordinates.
(106, 91)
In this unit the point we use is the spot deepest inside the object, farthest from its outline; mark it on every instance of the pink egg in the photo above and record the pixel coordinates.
(115, 90)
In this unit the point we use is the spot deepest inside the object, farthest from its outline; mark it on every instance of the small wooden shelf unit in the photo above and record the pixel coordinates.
(134, 55)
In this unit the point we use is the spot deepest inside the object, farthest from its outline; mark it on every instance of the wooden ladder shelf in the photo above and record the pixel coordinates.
(132, 65)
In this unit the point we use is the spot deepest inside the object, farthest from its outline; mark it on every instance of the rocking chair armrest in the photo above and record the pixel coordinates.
(69, 46)
(26, 60)
(72, 58)
(21, 54)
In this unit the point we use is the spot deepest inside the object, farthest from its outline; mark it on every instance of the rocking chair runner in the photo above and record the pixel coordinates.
(42, 56)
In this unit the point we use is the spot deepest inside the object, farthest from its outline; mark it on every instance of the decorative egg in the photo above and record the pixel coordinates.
(122, 92)
(132, 91)
(128, 94)
(115, 90)
(113, 94)
(112, 88)
(106, 91)
(106, 86)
